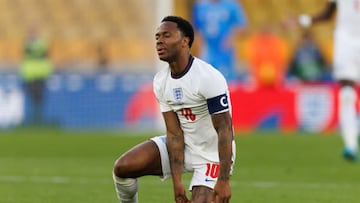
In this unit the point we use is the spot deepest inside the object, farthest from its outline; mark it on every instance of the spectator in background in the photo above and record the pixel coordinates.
(346, 64)
(308, 64)
(35, 69)
(217, 24)
(267, 55)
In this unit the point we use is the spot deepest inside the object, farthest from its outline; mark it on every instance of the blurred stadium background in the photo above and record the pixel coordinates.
(104, 58)
(99, 103)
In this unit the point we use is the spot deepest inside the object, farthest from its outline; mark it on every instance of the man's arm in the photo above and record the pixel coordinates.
(175, 146)
(223, 126)
(306, 20)
(326, 13)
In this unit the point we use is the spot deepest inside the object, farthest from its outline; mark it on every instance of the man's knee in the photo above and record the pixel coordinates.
(121, 167)
(202, 194)
(143, 159)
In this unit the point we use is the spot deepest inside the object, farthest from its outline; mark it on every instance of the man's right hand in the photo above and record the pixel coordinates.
(180, 194)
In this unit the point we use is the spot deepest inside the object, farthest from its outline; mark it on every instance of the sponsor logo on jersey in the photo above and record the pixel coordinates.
(209, 180)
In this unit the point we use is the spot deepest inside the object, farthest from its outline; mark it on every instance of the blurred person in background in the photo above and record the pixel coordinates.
(267, 56)
(218, 23)
(308, 63)
(35, 70)
(195, 104)
(346, 64)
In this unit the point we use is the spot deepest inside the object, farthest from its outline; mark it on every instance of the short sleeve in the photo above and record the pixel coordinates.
(215, 90)
(159, 94)
(213, 85)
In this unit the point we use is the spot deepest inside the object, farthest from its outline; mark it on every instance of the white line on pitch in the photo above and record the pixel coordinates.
(86, 180)
(54, 179)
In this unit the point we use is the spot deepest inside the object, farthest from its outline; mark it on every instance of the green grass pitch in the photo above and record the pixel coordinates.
(54, 166)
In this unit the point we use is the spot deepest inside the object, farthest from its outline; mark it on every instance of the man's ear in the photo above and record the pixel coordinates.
(186, 41)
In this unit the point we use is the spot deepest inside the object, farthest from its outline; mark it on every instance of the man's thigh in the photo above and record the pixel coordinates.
(201, 194)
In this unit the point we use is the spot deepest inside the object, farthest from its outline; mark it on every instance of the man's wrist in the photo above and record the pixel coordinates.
(223, 178)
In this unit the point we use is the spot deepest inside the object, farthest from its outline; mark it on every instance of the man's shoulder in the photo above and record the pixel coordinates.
(201, 63)
(161, 73)
(205, 67)
(160, 77)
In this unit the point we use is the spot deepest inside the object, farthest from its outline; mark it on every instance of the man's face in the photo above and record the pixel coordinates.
(169, 41)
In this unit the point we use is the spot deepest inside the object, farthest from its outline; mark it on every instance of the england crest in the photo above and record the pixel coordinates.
(178, 94)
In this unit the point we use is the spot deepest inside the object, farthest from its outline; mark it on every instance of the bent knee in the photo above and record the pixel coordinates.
(143, 159)
(122, 167)
(202, 194)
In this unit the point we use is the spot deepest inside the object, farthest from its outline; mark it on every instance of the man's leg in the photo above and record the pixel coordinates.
(348, 120)
(143, 159)
(203, 181)
(201, 194)
(126, 189)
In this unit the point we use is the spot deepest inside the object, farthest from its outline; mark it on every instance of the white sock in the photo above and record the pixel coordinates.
(126, 189)
(347, 116)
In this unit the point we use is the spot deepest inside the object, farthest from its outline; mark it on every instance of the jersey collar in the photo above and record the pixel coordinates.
(187, 68)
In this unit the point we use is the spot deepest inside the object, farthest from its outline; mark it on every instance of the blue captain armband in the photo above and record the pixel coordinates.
(218, 103)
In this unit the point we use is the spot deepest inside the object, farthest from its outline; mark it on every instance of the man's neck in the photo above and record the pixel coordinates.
(179, 65)
(182, 68)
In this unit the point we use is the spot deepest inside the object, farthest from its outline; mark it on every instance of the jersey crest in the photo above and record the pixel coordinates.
(178, 94)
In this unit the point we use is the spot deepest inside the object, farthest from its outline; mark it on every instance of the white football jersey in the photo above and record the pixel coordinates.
(348, 17)
(194, 95)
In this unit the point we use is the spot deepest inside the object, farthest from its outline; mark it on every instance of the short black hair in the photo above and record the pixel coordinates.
(184, 26)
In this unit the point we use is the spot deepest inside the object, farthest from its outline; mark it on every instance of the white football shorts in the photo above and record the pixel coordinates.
(346, 57)
(203, 174)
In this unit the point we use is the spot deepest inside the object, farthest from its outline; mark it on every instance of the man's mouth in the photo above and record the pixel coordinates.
(160, 51)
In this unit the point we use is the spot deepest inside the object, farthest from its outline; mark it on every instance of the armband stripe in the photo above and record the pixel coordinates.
(218, 103)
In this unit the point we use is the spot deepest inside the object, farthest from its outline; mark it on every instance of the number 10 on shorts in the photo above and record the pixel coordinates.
(212, 170)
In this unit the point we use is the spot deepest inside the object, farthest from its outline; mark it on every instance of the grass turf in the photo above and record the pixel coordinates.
(53, 166)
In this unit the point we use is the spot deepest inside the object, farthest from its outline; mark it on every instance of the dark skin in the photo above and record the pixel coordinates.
(144, 159)
(326, 14)
(173, 48)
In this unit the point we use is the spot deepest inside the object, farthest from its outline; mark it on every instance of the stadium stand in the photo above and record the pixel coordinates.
(78, 31)
(83, 32)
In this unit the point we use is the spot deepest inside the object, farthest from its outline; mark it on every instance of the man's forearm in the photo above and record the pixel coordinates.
(326, 14)
(175, 145)
(225, 154)
(223, 127)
